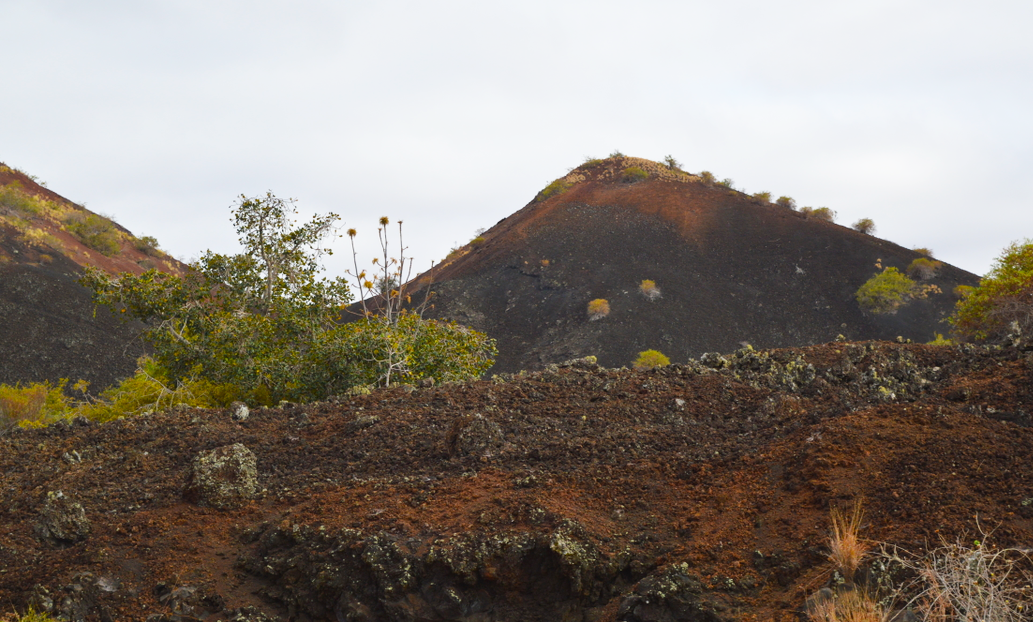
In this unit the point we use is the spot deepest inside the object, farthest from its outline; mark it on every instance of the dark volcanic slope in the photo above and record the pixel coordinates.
(49, 328)
(731, 269)
(577, 493)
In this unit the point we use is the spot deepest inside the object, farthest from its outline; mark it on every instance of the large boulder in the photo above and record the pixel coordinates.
(224, 478)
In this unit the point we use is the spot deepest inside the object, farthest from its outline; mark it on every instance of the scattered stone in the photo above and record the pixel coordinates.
(477, 436)
(224, 478)
(239, 411)
(62, 520)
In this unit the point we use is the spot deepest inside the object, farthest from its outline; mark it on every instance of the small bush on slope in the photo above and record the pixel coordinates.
(598, 309)
(885, 292)
(651, 359)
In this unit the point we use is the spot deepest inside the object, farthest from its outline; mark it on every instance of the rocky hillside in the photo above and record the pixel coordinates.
(692, 492)
(727, 268)
(49, 328)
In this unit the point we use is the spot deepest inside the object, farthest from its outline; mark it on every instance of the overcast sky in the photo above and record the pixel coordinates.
(452, 115)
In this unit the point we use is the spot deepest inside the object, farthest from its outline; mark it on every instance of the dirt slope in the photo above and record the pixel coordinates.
(693, 492)
(730, 269)
(49, 328)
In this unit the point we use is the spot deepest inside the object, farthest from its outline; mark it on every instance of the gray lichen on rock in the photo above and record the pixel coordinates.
(62, 520)
(224, 478)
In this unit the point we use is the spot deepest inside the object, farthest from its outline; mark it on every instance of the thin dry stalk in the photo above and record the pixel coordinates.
(846, 549)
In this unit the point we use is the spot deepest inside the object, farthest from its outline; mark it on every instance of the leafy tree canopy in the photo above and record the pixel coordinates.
(266, 323)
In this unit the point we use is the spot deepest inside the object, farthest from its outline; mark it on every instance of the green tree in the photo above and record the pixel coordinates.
(885, 292)
(267, 323)
(1002, 305)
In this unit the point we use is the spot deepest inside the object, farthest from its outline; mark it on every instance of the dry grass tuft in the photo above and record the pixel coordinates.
(849, 606)
(846, 548)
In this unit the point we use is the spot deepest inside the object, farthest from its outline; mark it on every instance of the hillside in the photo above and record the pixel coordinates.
(730, 269)
(50, 329)
(693, 492)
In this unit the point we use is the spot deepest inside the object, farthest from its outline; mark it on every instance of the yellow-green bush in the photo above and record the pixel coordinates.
(649, 289)
(556, 188)
(762, 196)
(819, 213)
(923, 268)
(598, 309)
(651, 359)
(94, 231)
(36, 403)
(786, 202)
(707, 178)
(1003, 302)
(865, 226)
(885, 292)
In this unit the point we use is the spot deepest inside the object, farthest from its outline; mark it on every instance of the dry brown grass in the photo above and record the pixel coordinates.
(850, 606)
(846, 548)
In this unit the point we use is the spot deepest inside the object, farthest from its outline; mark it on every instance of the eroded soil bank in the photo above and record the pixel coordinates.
(692, 492)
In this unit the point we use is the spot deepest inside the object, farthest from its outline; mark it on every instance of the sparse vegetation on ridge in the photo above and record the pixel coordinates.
(762, 196)
(923, 268)
(786, 202)
(556, 188)
(633, 174)
(865, 226)
(819, 213)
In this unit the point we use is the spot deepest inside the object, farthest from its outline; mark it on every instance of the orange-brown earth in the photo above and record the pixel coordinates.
(692, 492)
(730, 268)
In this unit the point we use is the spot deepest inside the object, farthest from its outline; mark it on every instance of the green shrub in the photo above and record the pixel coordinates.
(885, 292)
(477, 241)
(598, 309)
(727, 183)
(762, 196)
(556, 188)
(707, 178)
(786, 202)
(650, 359)
(939, 340)
(94, 231)
(1002, 304)
(148, 245)
(633, 174)
(921, 250)
(865, 226)
(590, 162)
(616, 154)
(923, 269)
(671, 163)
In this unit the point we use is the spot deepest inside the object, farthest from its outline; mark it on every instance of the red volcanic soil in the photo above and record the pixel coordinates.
(731, 269)
(691, 492)
(49, 327)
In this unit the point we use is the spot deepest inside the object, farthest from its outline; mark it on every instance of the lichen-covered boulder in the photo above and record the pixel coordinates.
(239, 411)
(223, 478)
(477, 436)
(62, 520)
